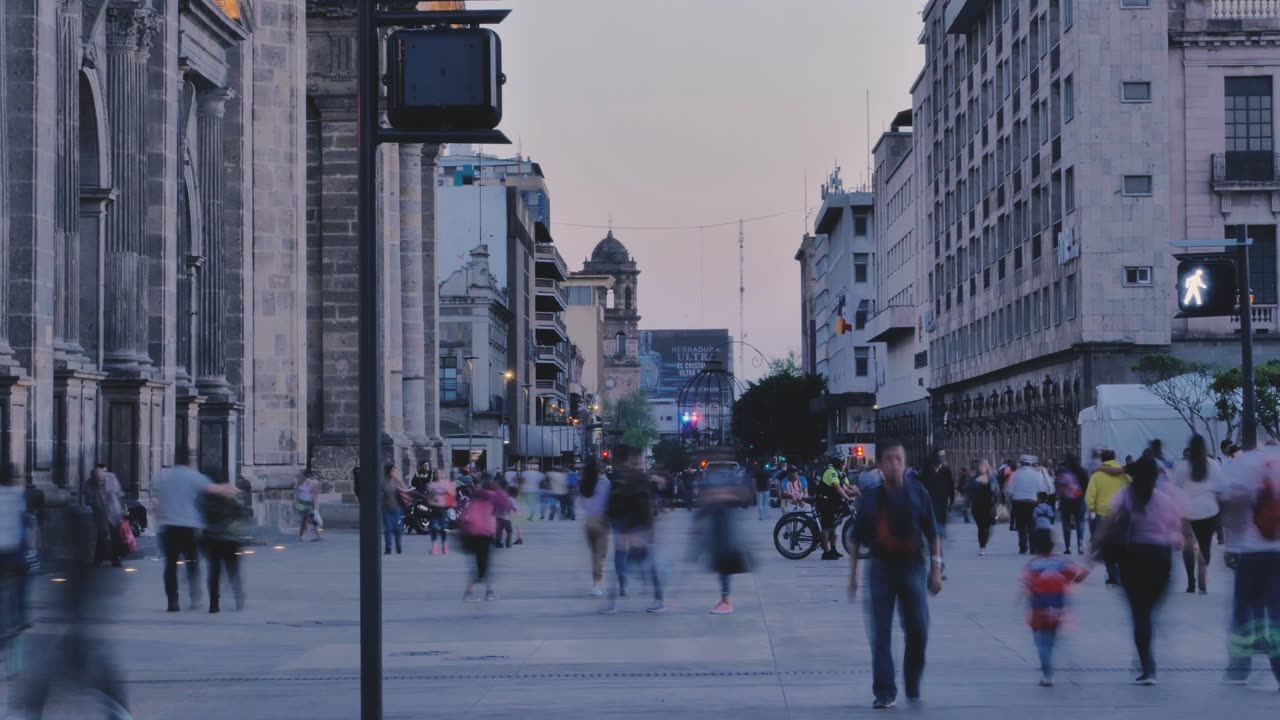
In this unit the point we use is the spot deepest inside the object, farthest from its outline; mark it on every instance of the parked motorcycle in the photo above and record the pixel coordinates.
(417, 516)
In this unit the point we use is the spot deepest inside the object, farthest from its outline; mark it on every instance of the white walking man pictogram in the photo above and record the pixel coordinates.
(1194, 284)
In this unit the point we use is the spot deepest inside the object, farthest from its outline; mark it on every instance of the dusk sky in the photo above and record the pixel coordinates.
(698, 112)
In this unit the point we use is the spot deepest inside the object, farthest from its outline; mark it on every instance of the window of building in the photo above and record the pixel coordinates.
(449, 378)
(922, 359)
(1068, 14)
(1069, 289)
(1068, 98)
(860, 315)
(1137, 276)
(1262, 260)
(1044, 308)
(1137, 186)
(1057, 302)
(862, 361)
(1027, 323)
(860, 262)
(1249, 114)
(1135, 92)
(860, 225)
(1069, 189)
(1135, 3)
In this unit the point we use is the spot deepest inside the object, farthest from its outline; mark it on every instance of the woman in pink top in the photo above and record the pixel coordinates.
(1156, 527)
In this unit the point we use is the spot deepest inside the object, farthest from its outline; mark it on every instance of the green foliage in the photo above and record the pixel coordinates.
(1185, 386)
(1228, 396)
(773, 416)
(631, 418)
(789, 366)
(671, 455)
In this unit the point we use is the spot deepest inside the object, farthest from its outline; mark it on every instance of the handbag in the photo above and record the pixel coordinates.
(731, 562)
(1002, 512)
(127, 541)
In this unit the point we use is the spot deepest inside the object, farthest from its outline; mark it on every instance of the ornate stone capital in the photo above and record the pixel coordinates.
(213, 102)
(131, 27)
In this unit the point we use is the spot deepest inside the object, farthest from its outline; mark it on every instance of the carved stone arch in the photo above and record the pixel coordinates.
(95, 132)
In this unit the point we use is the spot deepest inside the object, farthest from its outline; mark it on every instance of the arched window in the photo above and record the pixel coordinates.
(627, 298)
(608, 299)
(620, 344)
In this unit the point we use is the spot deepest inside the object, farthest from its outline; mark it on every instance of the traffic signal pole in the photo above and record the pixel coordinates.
(1249, 421)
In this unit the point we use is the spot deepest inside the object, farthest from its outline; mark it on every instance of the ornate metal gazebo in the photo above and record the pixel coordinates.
(704, 407)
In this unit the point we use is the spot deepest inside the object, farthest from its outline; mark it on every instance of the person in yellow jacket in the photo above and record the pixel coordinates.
(1105, 482)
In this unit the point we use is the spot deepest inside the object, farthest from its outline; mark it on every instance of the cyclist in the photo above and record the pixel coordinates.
(834, 493)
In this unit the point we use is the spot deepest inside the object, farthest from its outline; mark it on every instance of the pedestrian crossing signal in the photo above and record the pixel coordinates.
(1207, 287)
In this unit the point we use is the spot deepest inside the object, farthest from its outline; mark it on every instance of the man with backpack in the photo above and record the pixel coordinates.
(896, 522)
(1250, 501)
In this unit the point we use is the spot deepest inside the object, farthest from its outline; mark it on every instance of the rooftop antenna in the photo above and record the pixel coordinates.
(868, 184)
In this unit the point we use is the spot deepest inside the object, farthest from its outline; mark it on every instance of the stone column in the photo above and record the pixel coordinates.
(211, 355)
(412, 287)
(7, 362)
(431, 303)
(66, 319)
(130, 30)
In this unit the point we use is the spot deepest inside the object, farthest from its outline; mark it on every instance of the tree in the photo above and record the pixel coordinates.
(631, 418)
(669, 453)
(773, 416)
(1228, 393)
(789, 365)
(1185, 386)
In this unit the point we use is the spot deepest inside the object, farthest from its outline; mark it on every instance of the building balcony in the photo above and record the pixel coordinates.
(553, 355)
(1264, 319)
(1244, 9)
(1252, 171)
(549, 328)
(550, 296)
(548, 264)
(892, 323)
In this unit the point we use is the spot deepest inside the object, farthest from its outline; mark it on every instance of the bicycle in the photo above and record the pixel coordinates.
(798, 533)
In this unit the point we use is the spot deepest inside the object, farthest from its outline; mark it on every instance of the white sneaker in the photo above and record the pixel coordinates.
(1046, 681)
(982, 553)
(597, 590)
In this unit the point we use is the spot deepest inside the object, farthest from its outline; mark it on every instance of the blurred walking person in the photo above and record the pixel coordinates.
(393, 492)
(70, 650)
(13, 556)
(531, 481)
(631, 517)
(224, 534)
(897, 523)
(1199, 478)
(477, 527)
(1046, 580)
(102, 494)
(1251, 511)
(179, 491)
(1107, 481)
(1070, 483)
(442, 494)
(1024, 490)
(941, 484)
(595, 489)
(762, 481)
(1146, 524)
(720, 545)
(983, 491)
(306, 496)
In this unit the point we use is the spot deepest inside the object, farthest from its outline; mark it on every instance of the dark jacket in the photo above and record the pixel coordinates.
(941, 484)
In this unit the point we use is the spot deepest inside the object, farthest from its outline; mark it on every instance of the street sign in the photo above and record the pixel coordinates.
(1207, 286)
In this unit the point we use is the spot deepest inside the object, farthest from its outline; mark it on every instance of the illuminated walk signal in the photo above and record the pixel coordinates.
(1207, 286)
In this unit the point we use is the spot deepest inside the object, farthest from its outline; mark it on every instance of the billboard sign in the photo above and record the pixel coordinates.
(670, 358)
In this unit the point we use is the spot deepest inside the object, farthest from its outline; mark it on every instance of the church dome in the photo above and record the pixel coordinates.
(610, 250)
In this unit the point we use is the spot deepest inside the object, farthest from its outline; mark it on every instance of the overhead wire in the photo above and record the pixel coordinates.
(676, 227)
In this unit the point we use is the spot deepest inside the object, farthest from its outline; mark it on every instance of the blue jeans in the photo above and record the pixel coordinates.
(762, 503)
(1044, 640)
(890, 583)
(1255, 613)
(392, 521)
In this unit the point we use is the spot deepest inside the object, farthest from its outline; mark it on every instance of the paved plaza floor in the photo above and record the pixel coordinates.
(795, 648)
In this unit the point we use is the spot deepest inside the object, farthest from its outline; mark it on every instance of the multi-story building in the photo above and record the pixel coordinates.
(903, 398)
(1060, 145)
(504, 343)
(838, 298)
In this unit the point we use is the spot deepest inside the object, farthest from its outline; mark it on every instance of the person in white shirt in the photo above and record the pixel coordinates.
(531, 487)
(1024, 490)
(1199, 478)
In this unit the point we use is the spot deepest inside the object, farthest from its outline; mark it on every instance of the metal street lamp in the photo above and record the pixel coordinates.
(471, 402)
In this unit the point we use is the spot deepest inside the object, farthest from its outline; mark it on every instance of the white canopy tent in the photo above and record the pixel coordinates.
(1127, 418)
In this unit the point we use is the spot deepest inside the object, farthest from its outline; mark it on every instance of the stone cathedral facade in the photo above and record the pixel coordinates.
(178, 245)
